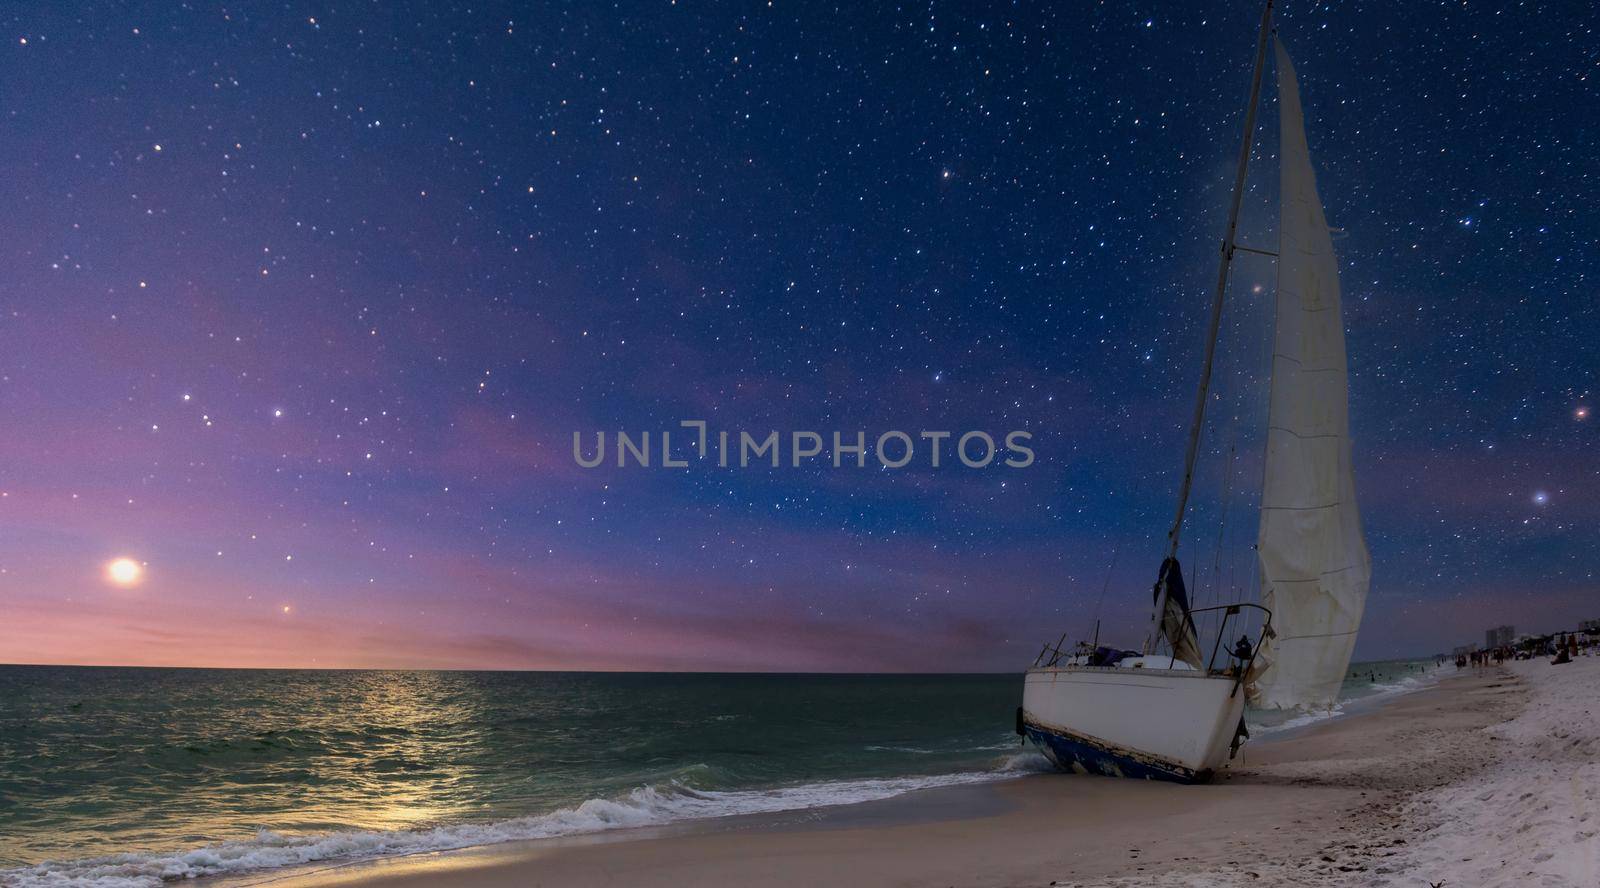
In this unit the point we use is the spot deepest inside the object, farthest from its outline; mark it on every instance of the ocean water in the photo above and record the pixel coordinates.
(126, 776)
(1364, 684)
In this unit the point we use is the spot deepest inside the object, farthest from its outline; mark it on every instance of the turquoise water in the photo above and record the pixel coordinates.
(133, 776)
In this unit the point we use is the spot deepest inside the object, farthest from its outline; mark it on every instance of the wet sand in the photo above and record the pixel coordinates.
(1322, 805)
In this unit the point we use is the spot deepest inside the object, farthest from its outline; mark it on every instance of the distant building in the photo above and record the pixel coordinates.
(1499, 636)
(1590, 626)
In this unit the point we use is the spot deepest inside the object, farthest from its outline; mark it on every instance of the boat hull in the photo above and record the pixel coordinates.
(1152, 724)
(1083, 755)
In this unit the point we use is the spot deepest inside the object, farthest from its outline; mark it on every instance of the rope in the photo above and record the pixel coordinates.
(1116, 549)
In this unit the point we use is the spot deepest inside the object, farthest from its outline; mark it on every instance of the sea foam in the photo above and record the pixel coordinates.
(1355, 696)
(651, 805)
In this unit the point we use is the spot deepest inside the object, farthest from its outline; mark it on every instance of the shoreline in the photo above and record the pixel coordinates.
(1315, 798)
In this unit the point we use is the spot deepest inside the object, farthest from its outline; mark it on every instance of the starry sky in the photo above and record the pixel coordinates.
(301, 304)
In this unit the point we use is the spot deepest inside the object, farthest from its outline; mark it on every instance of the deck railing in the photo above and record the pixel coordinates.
(1228, 617)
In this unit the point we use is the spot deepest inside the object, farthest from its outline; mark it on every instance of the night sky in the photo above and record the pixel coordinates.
(300, 305)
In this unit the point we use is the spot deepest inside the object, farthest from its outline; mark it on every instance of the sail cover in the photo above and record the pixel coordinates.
(1314, 563)
(1177, 627)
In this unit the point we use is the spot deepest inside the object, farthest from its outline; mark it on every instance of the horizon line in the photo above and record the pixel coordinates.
(587, 671)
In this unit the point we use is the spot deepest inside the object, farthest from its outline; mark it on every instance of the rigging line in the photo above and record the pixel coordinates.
(1222, 528)
(1295, 434)
(1320, 635)
(1334, 504)
(1228, 242)
(1254, 250)
(1192, 449)
(1269, 361)
(1116, 549)
(1304, 369)
(1233, 573)
(1216, 595)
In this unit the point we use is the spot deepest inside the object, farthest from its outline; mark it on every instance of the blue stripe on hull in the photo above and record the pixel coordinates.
(1083, 756)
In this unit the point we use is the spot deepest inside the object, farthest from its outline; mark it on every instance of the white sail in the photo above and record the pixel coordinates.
(1314, 564)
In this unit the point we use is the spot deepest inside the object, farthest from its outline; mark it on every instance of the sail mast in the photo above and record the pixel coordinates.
(1215, 325)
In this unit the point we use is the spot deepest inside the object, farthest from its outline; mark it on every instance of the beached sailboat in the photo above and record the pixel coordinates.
(1174, 713)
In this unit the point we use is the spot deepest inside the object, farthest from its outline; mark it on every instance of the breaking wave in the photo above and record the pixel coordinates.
(1356, 695)
(651, 805)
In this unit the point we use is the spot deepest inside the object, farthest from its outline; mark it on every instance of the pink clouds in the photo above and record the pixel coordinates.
(100, 628)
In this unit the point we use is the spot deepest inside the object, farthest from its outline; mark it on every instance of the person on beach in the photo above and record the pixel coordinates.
(1243, 650)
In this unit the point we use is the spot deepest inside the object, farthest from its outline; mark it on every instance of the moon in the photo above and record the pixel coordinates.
(124, 571)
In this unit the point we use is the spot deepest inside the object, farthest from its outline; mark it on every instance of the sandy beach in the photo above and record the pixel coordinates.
(1487, 778)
